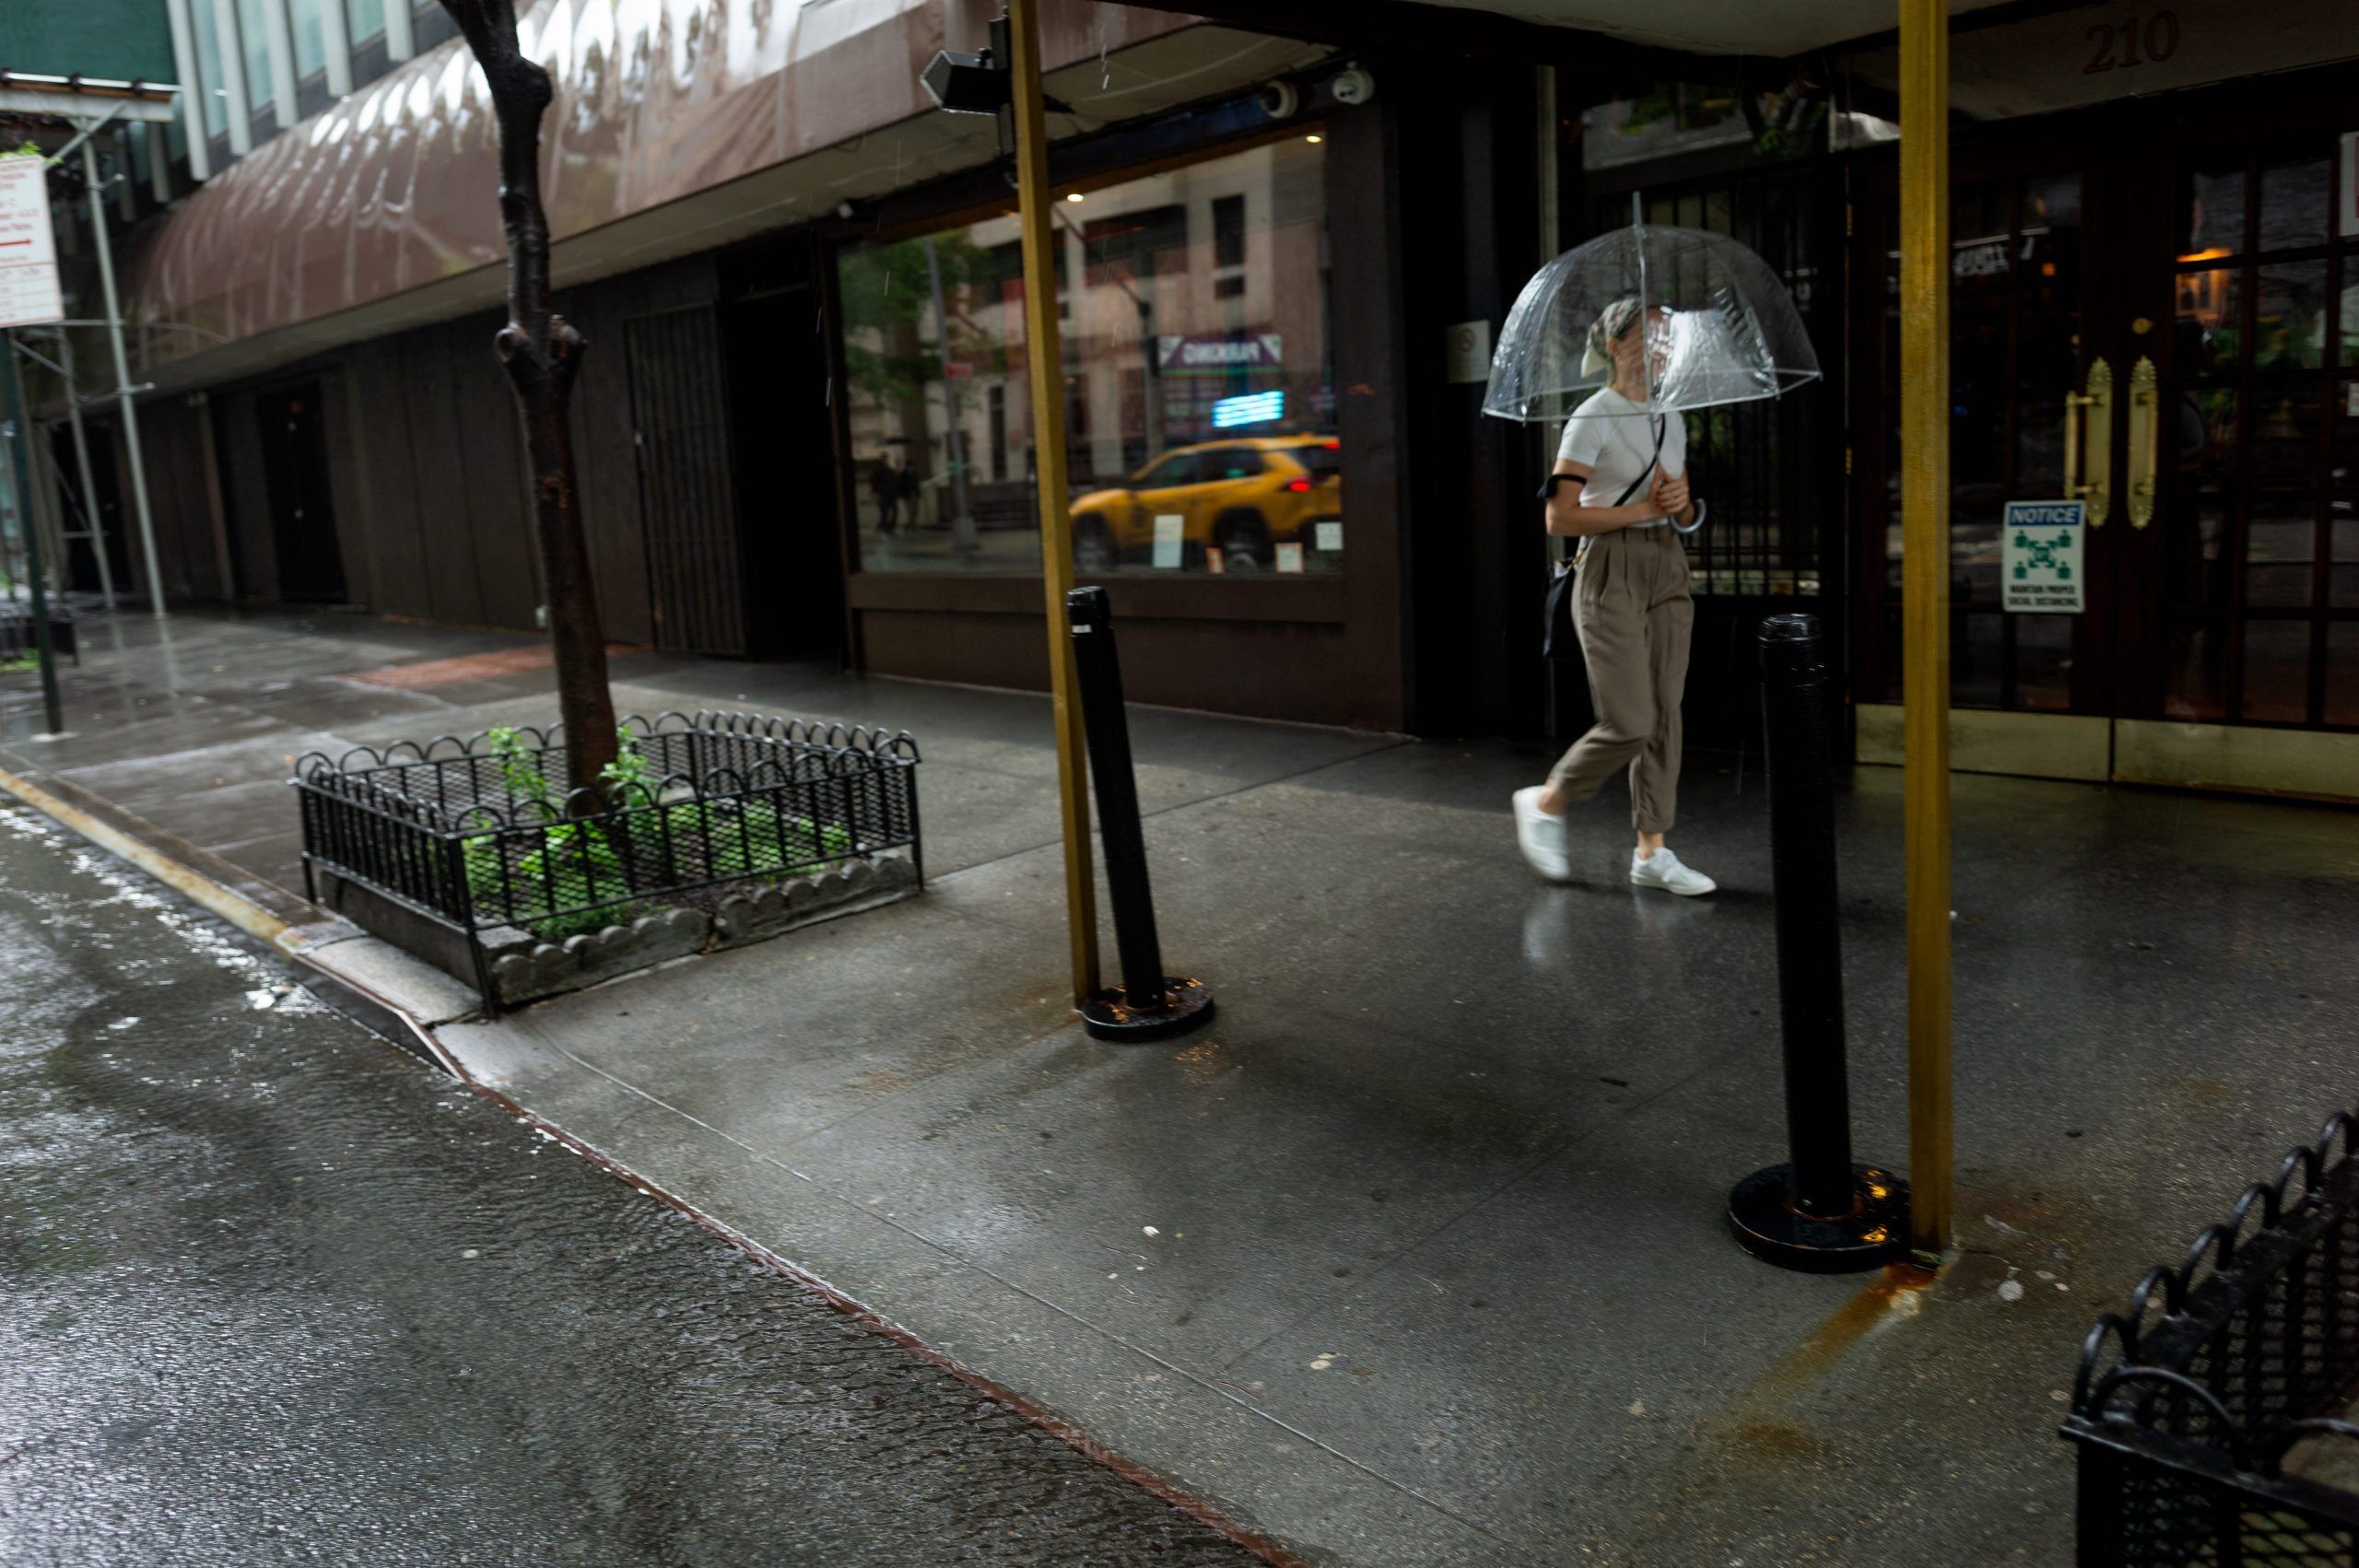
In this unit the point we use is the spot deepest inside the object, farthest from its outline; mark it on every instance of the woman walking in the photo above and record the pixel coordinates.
(1620, 487)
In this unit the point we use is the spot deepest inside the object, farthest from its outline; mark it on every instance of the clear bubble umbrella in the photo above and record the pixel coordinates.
(1719, 326)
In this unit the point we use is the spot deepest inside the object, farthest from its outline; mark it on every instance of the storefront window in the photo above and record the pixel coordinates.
(208, 58)
(254, 28)
(310, 35)
(365, 19)
(1200, 404)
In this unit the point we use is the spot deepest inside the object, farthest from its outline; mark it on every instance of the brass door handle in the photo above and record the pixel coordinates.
(2146, 431)
(2099, 491)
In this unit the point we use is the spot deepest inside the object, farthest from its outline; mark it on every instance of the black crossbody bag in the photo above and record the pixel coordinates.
(1560, 640)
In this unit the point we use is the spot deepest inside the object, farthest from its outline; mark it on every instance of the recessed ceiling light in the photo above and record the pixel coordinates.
(1073, 196)
(1314, 140)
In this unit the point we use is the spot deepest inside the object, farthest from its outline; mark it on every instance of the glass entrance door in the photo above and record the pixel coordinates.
(2252, 549)
(2162, 323)
(2030, 271)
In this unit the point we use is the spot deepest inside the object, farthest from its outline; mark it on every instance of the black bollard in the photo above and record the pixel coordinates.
(1819, 1211)
(1149, 1004)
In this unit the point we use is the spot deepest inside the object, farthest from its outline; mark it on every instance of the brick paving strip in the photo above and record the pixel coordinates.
(473, 667)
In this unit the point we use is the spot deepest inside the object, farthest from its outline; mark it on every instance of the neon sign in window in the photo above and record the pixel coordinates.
(1254, 408)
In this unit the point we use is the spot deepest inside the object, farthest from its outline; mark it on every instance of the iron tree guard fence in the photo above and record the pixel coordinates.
(2208, 1413)
(471, 841)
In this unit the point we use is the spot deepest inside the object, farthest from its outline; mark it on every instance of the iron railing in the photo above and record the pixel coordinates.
(17, 638)
(478, 834)
(2209, 1412)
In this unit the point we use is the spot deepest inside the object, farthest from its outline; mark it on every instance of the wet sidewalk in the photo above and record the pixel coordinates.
(321, 1309)
(1415, 1256)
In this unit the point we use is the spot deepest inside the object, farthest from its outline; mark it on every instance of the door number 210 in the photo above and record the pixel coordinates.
(2117, 45)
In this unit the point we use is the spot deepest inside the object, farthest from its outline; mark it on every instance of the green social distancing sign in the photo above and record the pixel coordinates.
(2041, 567)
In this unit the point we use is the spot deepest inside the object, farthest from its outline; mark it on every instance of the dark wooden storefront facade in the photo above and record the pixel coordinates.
(715, 459)
(718, 460)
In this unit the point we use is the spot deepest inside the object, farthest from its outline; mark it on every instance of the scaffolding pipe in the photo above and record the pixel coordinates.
(138, 463)
(47, 511)
(82, 465)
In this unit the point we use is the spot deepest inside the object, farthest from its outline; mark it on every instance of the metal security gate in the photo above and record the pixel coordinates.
(680, 426)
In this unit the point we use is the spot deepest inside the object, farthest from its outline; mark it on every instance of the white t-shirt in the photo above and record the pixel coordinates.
(1612, 437)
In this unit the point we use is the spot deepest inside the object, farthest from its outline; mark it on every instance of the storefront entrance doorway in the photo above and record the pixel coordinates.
(2154, 311)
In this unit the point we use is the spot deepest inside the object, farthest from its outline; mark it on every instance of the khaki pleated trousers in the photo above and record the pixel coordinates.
(1632, 609)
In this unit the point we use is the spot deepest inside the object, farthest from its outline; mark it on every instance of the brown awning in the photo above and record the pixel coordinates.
(1777, 28)
(676, 124)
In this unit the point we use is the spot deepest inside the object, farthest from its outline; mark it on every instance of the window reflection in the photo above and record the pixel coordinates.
(2286, 436)
(310, 35)
(365, 19)
(2212, 211)
(208, 56)
(2279, 544)
(2210, 311)
(2343, 582)
(2294, 202)
(2343, 674)
(253, 29)
(1199, 394)
(2289, 317)
(2277, 670)
(2346, 441)
(2197, 677)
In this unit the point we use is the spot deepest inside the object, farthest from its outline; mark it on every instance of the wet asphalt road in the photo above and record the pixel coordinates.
(271, 1293)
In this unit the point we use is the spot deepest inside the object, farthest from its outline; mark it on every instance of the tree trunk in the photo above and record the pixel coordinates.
(542, 352)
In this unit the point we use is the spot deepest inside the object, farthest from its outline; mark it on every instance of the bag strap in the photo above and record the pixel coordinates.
(1632, 488)
(1653, 458)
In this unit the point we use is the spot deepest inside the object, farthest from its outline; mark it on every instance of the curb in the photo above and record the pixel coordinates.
(135, 841)
(295, 930)
(196, 875)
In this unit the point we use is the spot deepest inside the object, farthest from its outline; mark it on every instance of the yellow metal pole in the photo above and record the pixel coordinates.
(1924, 605)
(1044, 356)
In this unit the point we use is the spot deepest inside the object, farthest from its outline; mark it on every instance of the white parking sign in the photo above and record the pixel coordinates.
(28, 251)
(2040, 566)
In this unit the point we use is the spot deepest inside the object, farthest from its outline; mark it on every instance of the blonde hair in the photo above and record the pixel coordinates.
(1613, 324)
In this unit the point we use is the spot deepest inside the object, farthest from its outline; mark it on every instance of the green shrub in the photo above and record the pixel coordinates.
(578, 857)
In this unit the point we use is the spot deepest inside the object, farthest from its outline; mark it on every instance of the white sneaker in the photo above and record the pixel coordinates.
(1664, 871)
(1540, 837)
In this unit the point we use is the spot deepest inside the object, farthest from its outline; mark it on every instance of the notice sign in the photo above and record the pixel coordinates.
(1469, 352)
(2041, 566)
(28, 251)
(1171, 529)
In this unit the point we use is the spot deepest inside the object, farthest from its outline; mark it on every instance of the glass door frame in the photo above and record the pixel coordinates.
(2117, 726)
(2071, 740)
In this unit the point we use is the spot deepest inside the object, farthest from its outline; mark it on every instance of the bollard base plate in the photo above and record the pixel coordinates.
(1762, 1213)
(1110, 1016)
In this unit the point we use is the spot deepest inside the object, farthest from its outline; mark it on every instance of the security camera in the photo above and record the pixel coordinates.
(1279, 100)
(968, 84)
(1353, 86)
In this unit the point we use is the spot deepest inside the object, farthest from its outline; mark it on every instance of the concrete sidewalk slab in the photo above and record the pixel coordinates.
(1344, 1165)
(1438, 1273)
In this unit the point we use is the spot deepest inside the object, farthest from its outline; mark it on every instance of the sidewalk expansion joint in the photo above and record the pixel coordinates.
(1178, 806)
